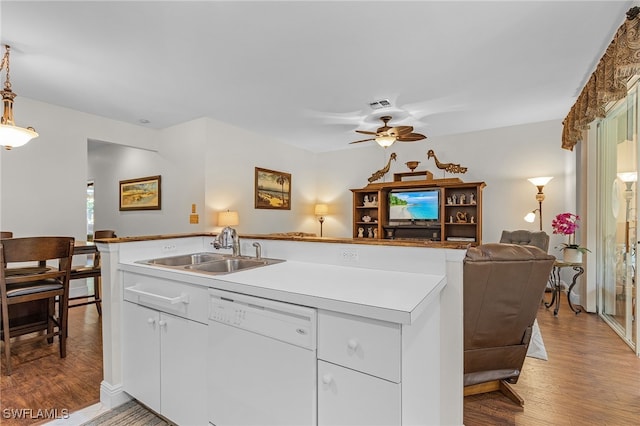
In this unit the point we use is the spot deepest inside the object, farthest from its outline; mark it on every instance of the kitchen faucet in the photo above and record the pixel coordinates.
(228, 238)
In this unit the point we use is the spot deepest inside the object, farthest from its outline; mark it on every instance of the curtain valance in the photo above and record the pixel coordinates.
(608, 83)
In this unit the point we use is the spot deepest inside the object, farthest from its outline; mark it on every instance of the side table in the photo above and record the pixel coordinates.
(556, 284)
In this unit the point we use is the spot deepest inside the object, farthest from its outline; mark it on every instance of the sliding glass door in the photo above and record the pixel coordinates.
(618, 214)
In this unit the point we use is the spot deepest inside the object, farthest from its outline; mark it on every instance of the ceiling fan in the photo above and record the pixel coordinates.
(385, 136)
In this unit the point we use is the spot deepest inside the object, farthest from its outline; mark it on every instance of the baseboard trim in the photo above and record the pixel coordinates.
(112, 396)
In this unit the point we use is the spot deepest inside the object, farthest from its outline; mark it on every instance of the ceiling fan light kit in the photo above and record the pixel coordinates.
(386, 136)
(385, 141)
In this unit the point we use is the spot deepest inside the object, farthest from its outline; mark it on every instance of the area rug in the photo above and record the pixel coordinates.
(536, 345)
(128, 414)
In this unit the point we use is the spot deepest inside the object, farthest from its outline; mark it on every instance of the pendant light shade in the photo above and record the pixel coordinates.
(11, 135)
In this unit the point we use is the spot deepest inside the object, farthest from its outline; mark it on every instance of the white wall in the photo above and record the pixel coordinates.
(43, 184)
(178, 160)
(503, 158)
(231, 156)
(211, 164)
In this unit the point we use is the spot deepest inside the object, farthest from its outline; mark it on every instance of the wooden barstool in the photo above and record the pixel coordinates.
(91, 269)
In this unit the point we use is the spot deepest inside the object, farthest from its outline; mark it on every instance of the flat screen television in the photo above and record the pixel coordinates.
(414, 205)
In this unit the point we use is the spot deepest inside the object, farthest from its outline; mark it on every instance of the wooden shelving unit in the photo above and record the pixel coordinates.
(460, 211)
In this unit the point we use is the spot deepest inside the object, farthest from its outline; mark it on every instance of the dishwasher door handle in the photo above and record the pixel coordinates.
(183, 298)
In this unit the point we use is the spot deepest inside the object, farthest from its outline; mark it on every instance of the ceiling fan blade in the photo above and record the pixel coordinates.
(411, 137)
(362, 140)
(383, 129)
(366, 132)
(405, 129)
(400, 130)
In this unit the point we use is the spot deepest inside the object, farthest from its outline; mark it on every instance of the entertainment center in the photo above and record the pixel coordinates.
(442, 210)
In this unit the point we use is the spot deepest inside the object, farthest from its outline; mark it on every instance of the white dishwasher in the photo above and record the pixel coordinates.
(261, 361)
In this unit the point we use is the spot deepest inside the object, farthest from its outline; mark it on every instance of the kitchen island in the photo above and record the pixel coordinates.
(402, 301)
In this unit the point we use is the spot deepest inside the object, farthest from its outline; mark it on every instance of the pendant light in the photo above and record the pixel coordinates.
(11, 135)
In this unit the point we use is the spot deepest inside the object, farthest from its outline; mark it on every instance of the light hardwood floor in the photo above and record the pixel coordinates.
(591, 377)
(41, 380)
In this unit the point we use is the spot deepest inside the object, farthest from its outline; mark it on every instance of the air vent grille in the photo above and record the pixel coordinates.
(383, 103)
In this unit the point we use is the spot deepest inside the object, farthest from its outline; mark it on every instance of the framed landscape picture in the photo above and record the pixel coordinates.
(272, 190)
(140, 194)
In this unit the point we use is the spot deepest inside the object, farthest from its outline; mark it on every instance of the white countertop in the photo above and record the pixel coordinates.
(398, 297)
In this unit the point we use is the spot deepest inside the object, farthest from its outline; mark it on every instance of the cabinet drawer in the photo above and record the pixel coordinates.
(175, 297)
(347, 397)
(362, 344)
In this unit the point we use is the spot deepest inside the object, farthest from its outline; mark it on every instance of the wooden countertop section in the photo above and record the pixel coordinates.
(284, 237)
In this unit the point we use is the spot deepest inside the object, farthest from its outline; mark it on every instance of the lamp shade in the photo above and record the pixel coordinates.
(540, 181)
(321, 209)
(13, 136)
(628, 176)
(530, 217)
(228, 218)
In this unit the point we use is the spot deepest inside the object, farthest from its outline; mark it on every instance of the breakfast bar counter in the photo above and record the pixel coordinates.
(415, 286)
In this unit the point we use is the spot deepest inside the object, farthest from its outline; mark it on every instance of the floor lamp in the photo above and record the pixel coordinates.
(538, 182)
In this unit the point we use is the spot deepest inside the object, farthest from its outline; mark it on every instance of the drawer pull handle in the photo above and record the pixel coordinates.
(183, 298)
(162, 323)
(353, 344)
(151, 321)
(327, 379)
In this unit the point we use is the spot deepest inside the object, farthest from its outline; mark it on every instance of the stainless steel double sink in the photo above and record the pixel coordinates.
(210, 263)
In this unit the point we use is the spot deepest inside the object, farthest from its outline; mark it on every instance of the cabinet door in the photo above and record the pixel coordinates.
(183, 370)
(347, 397)
(141, 354)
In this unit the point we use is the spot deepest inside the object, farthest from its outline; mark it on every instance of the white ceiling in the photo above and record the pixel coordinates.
(304, 72)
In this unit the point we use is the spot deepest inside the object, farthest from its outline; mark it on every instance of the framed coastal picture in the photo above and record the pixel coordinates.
(272, 190)
(140, 194)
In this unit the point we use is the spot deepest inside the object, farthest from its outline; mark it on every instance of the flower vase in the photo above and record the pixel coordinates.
(571, 255)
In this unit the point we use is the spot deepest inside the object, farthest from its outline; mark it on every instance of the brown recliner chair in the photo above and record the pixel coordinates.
(503, 285)
(523, 237)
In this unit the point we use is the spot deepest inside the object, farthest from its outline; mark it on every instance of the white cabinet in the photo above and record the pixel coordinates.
(367, 391)
(373, 372)
(164, 355)
(348, 397)
(141, 354)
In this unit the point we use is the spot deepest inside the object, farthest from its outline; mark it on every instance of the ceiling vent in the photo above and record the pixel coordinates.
(384, 103)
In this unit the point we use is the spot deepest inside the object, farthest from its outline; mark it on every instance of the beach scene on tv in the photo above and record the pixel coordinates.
(413, 205)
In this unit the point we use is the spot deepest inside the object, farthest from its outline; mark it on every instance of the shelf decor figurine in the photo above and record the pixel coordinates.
(412, 165)
(567, 224)
(369, 201)
(383, 171)
(447, 167)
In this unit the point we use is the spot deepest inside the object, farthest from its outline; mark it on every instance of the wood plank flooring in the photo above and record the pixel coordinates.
(41, 380)
(591, 377)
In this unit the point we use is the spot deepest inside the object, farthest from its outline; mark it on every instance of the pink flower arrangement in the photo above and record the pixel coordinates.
(565, 224)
